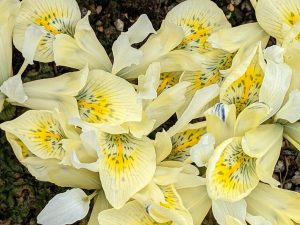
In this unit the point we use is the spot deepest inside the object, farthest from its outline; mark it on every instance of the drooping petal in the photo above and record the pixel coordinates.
(244, 79)
(244, 34)
(108, 98)
(222, 209)
(251, 117)
(265, 165)
(277, 205)
(33, 36)
(197, 22)
(260, 140)
(220, 121)
(230, 172)
(68, 84)
(124, 54)
(40, 131)
(14, 90)
(127, 164)
(140, 30)
(278, 16)
(183, 141)
(198, 207)
(83, 49)
(55, 17)
(51, 170)
(10, 9)
(157, 46)
(133, 213)
(290, 110)
(65, 208)
(200, 100)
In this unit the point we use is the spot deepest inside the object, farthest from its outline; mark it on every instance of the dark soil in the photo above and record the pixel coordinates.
(21, 196)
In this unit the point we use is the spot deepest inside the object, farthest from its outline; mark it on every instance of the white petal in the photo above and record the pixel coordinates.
(124, 54)
(244, 34)
(79, 165)
(140, 29)
(14, 90)
(274, 53)
(202, 151)
(33, 36)
(157, 46)
(163, 146)
(148, 83)
(65, 208)
(260, 140)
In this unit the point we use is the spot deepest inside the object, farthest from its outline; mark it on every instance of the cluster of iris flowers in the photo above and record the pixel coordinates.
(101, 130)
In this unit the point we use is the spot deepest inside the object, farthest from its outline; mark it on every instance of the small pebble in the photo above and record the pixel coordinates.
(236, 2)
(119, 24)
(98, 9)
(279, 166)
(296, 179)
(230, 7)
(288, 186)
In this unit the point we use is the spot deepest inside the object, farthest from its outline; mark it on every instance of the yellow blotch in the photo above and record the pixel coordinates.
(167, 80)
(244, 91)
(197, 35)
(292, 18)
(120, 154)
(94, 110)
(46, 20)
(171, 199)
(25, 150)
(181, 142)
(234, 171)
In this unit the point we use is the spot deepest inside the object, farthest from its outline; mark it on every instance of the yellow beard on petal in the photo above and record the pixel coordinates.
(292, 18)
(234, 172)
(93, 105)
(172, 200)
(47, 21)
(48, 136)
(181, 142)
(197, 32)
(168, 79)
(244, 91)
(123, 157)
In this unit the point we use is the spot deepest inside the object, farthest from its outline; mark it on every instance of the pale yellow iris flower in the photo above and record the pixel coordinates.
(9, 10)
